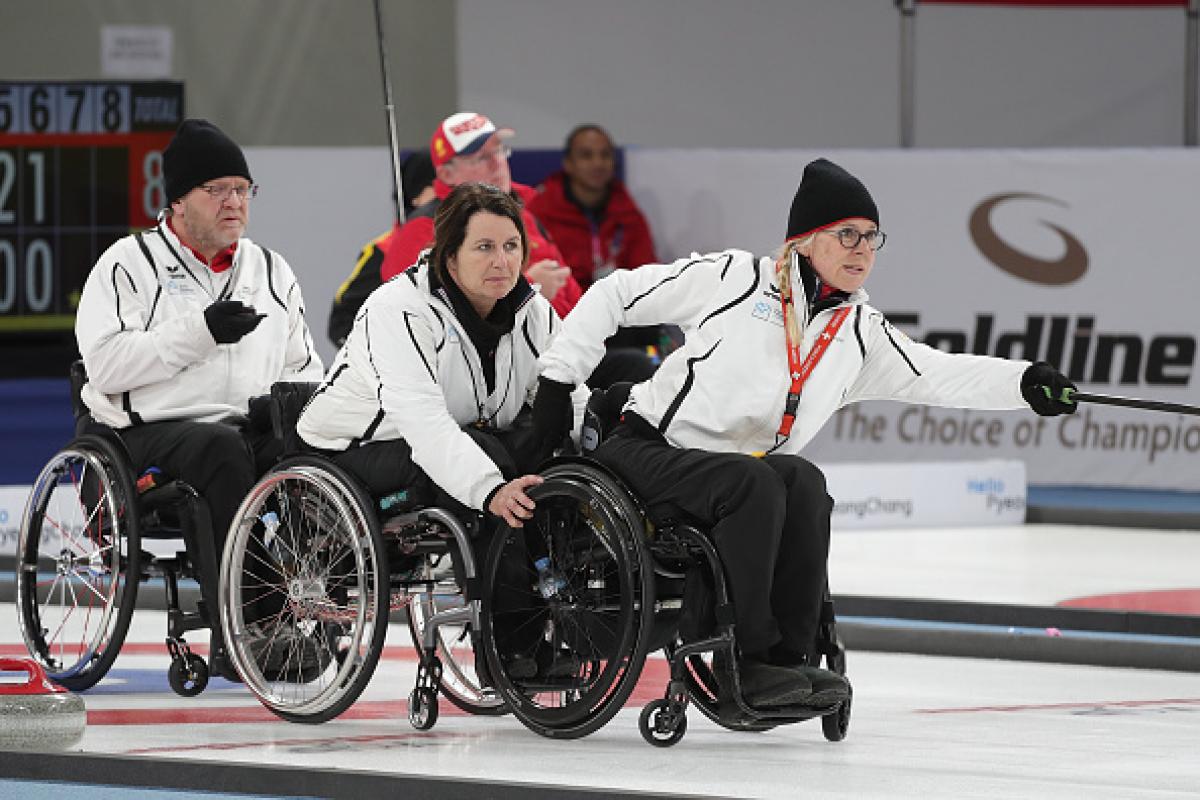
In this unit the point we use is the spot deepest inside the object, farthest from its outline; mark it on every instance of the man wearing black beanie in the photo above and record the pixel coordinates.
(775, 345)
(181, 325)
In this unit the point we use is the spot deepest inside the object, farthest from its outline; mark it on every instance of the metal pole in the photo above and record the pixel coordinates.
(390, 113)
(908, 38)
(1191, 66)
(1133, 402)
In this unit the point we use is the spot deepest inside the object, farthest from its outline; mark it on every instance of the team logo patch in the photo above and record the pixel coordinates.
(767, 312)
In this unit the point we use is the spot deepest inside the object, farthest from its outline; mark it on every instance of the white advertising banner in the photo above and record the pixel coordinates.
(12, 506)
(1076, 257)
(926, 495)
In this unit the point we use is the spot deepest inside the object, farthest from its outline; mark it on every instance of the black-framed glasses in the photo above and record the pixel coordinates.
(850, 237)
(222, 193)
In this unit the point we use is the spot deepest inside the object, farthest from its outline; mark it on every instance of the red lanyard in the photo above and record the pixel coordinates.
(802, 369)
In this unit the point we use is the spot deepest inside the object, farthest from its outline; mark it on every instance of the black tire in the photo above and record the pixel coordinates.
(422, 708)
(305, 599)
(596, 623)
(188, 676)
(649, 721)
(836, 725)
(81, 522)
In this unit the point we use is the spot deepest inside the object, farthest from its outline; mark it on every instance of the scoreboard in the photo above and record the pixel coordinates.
(80, 167)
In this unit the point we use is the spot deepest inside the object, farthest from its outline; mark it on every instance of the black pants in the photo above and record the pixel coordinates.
(387, 466)
(215, 459)
(769, 519)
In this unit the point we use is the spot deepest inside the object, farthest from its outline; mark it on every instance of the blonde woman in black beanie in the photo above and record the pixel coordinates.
(775, 345)
(179, 326)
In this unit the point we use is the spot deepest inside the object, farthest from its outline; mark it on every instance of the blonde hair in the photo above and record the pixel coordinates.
(785, 256)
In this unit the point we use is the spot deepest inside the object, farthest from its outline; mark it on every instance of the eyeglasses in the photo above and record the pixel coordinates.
(850, 237)
(222, 193)
(482, 157)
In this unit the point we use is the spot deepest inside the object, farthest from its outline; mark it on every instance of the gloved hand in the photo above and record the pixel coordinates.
(1047, 390)
(553, 415)
(229, 320)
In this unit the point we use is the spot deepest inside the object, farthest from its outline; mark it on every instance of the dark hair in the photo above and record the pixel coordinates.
(584, 128)
(465, 201)
(416, 173)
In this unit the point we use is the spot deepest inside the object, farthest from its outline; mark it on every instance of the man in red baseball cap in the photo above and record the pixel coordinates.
(466, 148)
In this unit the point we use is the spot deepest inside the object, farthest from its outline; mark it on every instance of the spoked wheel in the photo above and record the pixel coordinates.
(454, 648)
(77, 570)
(305, 591)
(565, 644)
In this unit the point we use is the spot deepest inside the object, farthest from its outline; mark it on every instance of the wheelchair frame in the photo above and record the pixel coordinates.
(342, 611)
(609, 522)
(95, 546)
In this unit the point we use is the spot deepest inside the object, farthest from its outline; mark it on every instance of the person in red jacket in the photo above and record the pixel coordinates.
(466, 148)
(599, 228)
(588, 211)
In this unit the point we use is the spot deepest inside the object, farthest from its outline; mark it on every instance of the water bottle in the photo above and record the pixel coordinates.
(395, 498)
(270, 523)
(548, 582)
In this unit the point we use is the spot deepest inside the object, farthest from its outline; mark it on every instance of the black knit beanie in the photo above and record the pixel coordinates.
(827, 194)
(198, 153)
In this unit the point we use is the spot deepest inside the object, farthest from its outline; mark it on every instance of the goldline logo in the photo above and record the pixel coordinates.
(1069, 268)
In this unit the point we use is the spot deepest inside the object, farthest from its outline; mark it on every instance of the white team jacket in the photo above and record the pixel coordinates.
(725, 388)
(409, 371)
(148, 352)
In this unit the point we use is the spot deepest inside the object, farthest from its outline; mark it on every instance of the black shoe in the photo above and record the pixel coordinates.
(762, 684)
(564, 665)
(828, 687)
(768, 685)
(521, 667)
(219, 662)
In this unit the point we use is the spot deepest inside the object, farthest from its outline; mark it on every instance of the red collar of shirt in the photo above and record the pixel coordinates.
(220, 262)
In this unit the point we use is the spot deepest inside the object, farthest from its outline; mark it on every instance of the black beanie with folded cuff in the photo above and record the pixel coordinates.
(198, 153)
(827, 194)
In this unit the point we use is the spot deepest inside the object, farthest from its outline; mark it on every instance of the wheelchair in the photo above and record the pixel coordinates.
(80, 557)
(314, 566)
(592, 584)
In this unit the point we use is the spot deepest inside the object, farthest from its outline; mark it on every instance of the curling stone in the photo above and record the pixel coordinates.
(37, 714)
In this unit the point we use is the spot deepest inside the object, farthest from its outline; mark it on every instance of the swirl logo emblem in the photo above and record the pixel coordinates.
(1069, 268)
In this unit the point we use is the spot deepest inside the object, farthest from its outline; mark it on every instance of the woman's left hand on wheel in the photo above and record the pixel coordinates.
(510, 502)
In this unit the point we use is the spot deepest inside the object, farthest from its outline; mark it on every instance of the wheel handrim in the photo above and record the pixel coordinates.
(322, 570)
(69, 615)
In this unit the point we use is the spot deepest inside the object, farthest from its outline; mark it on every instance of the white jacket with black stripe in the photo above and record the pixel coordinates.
(409, 371)
(148, 351)
(725, 388)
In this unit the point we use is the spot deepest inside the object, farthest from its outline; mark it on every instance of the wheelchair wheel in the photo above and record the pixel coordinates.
(455, 649)
(77, 570)
(305, 591)
(566, 644)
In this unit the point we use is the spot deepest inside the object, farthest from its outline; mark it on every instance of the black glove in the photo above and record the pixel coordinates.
(553, 414)
(229, 320)
(1047, 390)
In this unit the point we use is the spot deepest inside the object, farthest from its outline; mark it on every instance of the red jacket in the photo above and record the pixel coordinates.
(622, 240)
(416, 234)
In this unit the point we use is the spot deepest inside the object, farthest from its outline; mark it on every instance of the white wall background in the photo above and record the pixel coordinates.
(819, 73)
